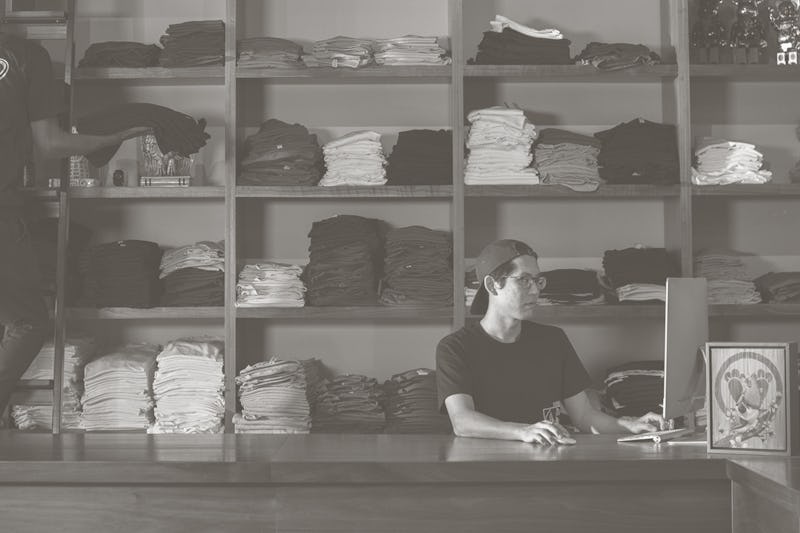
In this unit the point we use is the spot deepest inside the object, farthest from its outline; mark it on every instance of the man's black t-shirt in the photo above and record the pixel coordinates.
(513, 382)
(27, 94)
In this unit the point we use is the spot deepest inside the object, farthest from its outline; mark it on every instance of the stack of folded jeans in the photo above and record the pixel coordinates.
(511, 43)
(721, 162)
(189, 387)
(194, 275)
(728, 279)
(349, 403)
(270, 285)
(340, 51)
(269, 52)
(345, 261)
(121, 54)
(354, 159)
(638, 274)
(571, 286)
(411, 403)
(122, 274)
(616, 56)
(44, 238)
(569, 159)
(634, 389)
(779, 287)
(118, 389)
(422, 157)
(418, 268)
(639, 152)
(274, 398)
(281, 154)
(192, 44)
(499, 142)
(410, 50)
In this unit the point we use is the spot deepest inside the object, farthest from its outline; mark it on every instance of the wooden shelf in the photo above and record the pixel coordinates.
(347, 313)
(582, 73)
(147, 192)
(560, 191)
(430, 73)
(746, 72)
(748, 190)
(154, 313)
(755, 311)
(34, 384)
(345, 191)
(600, 311)
(216, 72)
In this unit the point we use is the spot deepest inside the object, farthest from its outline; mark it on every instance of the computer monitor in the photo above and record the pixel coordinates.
(685, 333)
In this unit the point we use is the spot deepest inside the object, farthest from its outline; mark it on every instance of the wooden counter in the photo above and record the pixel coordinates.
(133, 482)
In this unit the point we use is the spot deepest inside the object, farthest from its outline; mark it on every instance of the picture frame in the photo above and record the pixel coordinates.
(753, 398)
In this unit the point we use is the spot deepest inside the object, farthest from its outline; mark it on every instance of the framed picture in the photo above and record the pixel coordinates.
(753, 398)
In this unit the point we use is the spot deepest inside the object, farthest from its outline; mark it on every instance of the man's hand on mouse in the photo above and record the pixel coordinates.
(546, 433)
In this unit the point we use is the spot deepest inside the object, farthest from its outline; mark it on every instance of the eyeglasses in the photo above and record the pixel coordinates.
(526, 282)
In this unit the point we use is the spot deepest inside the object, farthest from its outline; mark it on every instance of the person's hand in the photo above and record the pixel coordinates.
(643, 424)
(546, 433)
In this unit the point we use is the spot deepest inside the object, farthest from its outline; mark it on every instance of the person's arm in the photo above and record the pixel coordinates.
(591, 420)
(52, 142)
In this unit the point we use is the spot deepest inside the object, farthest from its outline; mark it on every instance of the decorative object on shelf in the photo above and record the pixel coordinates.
(783, 16)
(708, 33)
(748, 35)
(162, 170)
(118, 178)
(753, 398)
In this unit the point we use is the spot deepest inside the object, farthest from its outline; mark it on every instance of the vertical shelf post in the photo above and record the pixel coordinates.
(456, 20)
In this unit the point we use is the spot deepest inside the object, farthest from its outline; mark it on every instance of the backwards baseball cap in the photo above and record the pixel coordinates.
(491, 257)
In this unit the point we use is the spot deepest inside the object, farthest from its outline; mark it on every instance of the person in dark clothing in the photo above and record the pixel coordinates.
(504, 377)
(30, 102)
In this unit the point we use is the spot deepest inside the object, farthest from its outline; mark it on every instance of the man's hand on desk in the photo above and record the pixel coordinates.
(643, 424)
(546, 433)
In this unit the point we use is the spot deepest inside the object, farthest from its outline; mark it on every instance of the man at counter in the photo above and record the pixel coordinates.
(504, 377)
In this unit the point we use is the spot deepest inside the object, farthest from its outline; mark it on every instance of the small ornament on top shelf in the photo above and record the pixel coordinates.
(162, 170)
(708, 33)
(783, 14)
(748, 34)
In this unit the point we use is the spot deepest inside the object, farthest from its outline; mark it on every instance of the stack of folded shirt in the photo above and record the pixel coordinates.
(281, 154)
(412, 50)
(728, 280)
(269, 52)
(422, 157)
(349, 403)
(192, 44)
(471, 286)
(499, 142)
(270, 285)
(194, 275)
(569, 159)
(122, 274)
(571, 286)
(418, 268)
(411, 403)
(780, 287)
(638, 274)
(354, 159)
(721, 162)
(44, 238)
(118, 389)
(189, 387)
(274, 398)
(121, 54)
(345, 263)
(616, 56)
(511, 43)
(639, 152)
(634, 389)
(340, 51)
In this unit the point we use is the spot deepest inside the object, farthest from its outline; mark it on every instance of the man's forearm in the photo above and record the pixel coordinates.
(52, 142)
(479, 425)
(598, 422)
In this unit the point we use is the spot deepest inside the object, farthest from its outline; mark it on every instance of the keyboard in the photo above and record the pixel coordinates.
(656, 436)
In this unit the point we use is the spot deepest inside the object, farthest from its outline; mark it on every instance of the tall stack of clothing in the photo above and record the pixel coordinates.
(639, 152)
(638, 274)
(340, 51)
(189, 387)
(349, 403)
(634, 389)
(122, 274)
(345, 261)
(566, 158)
(511, 43)
(411, 403)
(410, 50)
(571, 286)
(721, 162)
(44, 238)
(421, 157)
(418, 268)
(121, 54)
(354, 159)
(194, 275)
(616, 56)
(281, 154)
(270, 285)
(728, 279)
(194, 43)
(118, 389)
(499, 143)
(269, 52)
(779, 287)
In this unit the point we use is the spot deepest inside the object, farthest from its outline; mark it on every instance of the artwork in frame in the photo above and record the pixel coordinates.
(753, 398)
